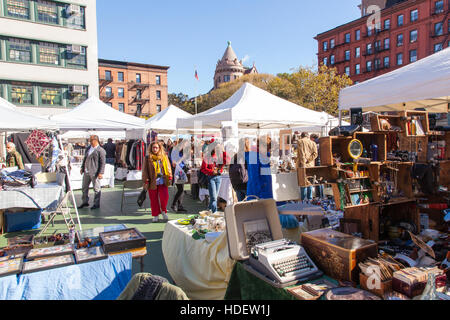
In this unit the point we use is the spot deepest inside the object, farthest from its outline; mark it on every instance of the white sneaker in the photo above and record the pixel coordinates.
(155, 219)
(165, 216)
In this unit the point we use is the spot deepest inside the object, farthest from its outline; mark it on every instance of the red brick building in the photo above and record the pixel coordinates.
(408, 30)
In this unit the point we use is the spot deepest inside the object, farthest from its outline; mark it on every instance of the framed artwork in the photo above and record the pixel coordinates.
(122, 240)
(50, 251)
(9, 266)
(90, 254)
(48, 263)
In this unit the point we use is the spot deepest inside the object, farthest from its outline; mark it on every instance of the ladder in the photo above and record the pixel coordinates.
(62, 209)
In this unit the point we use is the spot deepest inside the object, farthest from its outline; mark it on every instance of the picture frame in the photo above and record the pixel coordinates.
(10, 266)
(311, 291)
(122, 240)
(48, 263)
(50, 252)
(90, 254)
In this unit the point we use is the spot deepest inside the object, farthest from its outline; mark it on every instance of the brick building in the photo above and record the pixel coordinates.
(134, 88)
(408, 30)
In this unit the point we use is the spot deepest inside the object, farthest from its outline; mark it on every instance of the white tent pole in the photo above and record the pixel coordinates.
(66, 161)
(340, 118)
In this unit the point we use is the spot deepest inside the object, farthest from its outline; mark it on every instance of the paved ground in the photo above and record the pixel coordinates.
(109, 214)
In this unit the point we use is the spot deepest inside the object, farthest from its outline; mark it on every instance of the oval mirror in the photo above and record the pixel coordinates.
(355, 149)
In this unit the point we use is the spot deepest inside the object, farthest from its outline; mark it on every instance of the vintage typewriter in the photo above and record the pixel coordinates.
(283, 261)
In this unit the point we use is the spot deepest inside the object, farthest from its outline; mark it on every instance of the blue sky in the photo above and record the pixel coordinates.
(277, 35)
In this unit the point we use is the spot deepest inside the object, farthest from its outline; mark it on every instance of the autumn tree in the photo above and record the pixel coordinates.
(182, 101)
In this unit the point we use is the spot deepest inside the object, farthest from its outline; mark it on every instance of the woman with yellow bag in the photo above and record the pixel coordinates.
(157, 177)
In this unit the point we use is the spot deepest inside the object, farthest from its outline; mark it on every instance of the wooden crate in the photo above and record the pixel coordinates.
(402, 211)
(369, 138)
(331, 146)
(444, 173)
(447, 145)
(423, 115)
(385, 287)
(369, 217)
(329, 174)
(394, 120)
(338, 254)
(417, 144)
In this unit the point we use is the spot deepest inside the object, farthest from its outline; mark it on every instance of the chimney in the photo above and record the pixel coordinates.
(367, 3)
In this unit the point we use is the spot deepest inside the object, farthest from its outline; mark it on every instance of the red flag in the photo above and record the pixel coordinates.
(196, 75)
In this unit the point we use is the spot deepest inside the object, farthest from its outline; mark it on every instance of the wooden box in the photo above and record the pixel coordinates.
(122, 240)
(422, 116)
(393, 120)
(447, 145)
(385, 287)
(338, 254)
(327, 173)
(369, 219)
(417, 144)
(444, 173)
(369, 138)
(334, 146)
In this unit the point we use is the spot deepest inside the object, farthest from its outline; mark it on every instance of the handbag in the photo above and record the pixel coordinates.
(141, 198)
(180, 176)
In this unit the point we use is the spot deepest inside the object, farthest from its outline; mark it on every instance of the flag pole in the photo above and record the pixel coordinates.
(196, 89)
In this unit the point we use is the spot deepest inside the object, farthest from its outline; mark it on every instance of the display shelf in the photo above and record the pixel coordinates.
(373, 138)
(359, 191)
(422, 116)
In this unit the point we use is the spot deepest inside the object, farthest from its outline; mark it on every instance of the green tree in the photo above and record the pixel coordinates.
(182, 101)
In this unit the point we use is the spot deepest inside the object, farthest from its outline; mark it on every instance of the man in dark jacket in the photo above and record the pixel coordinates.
(110, 149)
(239, 177)
(93, 168)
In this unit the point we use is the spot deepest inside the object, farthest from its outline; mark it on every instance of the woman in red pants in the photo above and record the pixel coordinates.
(157, 177)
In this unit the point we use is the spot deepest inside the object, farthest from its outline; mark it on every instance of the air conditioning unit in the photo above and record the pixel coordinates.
(78, 89)
(73, 9)
(75, 49)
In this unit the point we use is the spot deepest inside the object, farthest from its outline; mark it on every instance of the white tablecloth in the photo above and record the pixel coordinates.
(200, 268)
(76, 178)
(43, 195)
(225, 190)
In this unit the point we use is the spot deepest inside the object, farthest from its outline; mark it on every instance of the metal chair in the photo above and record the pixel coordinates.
(133, 189)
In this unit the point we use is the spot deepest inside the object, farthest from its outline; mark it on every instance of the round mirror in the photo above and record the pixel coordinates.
(355, 149)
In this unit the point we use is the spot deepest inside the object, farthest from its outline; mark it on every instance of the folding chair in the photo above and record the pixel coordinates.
(62, 209)
(132, 188)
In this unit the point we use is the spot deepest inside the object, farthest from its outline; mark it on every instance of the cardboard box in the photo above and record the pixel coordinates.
(385, 286)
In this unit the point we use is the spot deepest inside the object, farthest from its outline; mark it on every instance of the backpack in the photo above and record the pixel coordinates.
(238, 174)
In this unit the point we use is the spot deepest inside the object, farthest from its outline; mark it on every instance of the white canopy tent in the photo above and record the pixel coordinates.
(253, 108)
(94, 114)
(422, 84)
(166, 120)
(103, 135)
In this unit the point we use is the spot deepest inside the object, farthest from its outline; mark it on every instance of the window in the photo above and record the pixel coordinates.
(76, 20)
(386, 62)
(158, 108)
(400, 20)
(76, 60)
(325, 45)
(18, 8)
(109, 104)
(347, 38)
(400, 59)
(120, 76)
(369, 48)
(51, 96)
(358, 35)
(108, 75)
(226, 78)
(377, 64)
(377, 45)
(120, 92)
(369, 66)
(387, 24)
(400, 40)
(325, 61)
(138, 78)
(413, 36)
(414, 15)
(48, 53)
(358, 69)
(108, 92)
(437, 47)
(347, 55)
(332, 59)
(438, 29)
(369, 31)
(158, 95)
(413, 55)
(357, 52)
(386, 43)
(158, 80)
(139, 110)
(439, 6)
(378, 27)
(121, 107)
(347, 71)
(47, 12)
(19, 50)
(138, 94)
(22, 94)
(332, 43)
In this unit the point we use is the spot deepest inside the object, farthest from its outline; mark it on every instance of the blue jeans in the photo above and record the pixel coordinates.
(213, 188)
(241, 194)
(306, 193)
(110, 161)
